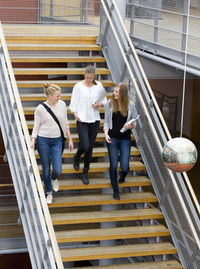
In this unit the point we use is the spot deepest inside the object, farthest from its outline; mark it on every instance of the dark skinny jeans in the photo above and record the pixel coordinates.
(87, 133)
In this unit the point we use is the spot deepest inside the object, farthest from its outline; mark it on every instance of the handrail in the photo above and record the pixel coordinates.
(31, 154)
(146, 111)
(154, 101)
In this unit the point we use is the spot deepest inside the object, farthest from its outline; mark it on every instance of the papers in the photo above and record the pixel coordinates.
(101, 96)
(133, 121)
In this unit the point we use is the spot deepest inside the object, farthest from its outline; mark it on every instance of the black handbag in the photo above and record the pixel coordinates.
(57, 121)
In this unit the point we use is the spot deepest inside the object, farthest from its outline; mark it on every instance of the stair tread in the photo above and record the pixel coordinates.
(169, 264)
(11, 231)
(40, 37)
(61, 83)
(101, 151)
(72, 123)
(112, 233)
(60, 71)
(69, 184)
(39, 58)
(93, 253)
(100, 137)
(106, 216)
(100, 199)
(21, 47)
(99, 167)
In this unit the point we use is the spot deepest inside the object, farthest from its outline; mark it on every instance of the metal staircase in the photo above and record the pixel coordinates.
(84, 225)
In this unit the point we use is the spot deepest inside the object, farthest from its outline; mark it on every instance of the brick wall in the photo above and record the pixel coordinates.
(19, 11)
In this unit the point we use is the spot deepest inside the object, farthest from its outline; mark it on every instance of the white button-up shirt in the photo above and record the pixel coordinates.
(82, 99)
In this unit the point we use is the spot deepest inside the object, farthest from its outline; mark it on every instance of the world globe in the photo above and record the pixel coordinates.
(179, 154)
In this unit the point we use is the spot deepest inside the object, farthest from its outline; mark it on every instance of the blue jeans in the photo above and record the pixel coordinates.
(50, 150)
(123, 147)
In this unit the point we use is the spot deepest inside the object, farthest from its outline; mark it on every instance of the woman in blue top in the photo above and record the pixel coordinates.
(118, 111)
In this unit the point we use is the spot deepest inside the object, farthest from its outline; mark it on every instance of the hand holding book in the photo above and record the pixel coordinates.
(133, 121)
(101, 96)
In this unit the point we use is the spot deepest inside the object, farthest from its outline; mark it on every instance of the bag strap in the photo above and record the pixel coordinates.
(54, 117)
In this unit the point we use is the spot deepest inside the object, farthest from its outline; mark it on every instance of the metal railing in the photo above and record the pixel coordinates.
(180, 207)
(161, 28)
(50, 12)
(36, 220)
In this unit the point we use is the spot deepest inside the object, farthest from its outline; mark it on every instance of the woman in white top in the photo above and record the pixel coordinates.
(47, 135)
(86, 112)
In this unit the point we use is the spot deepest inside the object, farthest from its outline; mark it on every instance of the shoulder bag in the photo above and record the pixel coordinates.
(57, 121)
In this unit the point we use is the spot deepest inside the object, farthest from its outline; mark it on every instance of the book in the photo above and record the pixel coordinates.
(101, 96)
(130, 122)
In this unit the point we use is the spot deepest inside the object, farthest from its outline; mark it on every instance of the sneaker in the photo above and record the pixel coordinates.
(49, 199)
(55, 185)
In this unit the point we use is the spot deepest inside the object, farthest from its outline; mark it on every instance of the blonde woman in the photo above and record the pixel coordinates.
(48, 137)
(118, 111)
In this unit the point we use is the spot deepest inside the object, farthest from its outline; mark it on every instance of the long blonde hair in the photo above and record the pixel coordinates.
(51, 88)
(123, 100)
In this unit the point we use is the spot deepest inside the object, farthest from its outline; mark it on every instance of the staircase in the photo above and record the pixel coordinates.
(91, 228)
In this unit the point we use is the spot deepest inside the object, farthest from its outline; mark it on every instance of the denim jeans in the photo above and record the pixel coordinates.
(87, 133)
(50, 150)
(122, 147)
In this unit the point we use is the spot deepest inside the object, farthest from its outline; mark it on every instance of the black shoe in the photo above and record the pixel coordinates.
(122, 177)
(76, 163)
(121, 180)
(116, 196)
(85, 179)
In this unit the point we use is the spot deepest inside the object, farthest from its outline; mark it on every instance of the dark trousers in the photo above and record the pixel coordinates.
(87, 133)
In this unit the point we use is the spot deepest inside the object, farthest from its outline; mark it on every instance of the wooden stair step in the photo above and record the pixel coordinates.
(135, 250)
(57, 71)
(42, 96)
(97, 152)
(57, 59)
(11, 231)
(169, 264)
(61, 83)
(111, 233)
(31, 110)
(100, 137)
(106, 216)
(102, 199)
(53, 47)
(9, 215)
(72, 124)
(99, 167)
(98, 183)
(52, 39)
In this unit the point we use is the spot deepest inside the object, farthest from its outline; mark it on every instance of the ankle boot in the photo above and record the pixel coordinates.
(122, 177)
(76, 162)
(85, 179)
(116, 195)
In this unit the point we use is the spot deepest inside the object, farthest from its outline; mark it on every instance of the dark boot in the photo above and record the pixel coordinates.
(76, 162)
(116, 195)
(85, 179)
(115, 189)
(122, 177)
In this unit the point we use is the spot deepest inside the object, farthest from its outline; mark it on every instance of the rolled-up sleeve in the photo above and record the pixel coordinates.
(106, 116)
(74, 100)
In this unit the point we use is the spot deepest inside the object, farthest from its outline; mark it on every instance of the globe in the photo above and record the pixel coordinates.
(179, 154)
